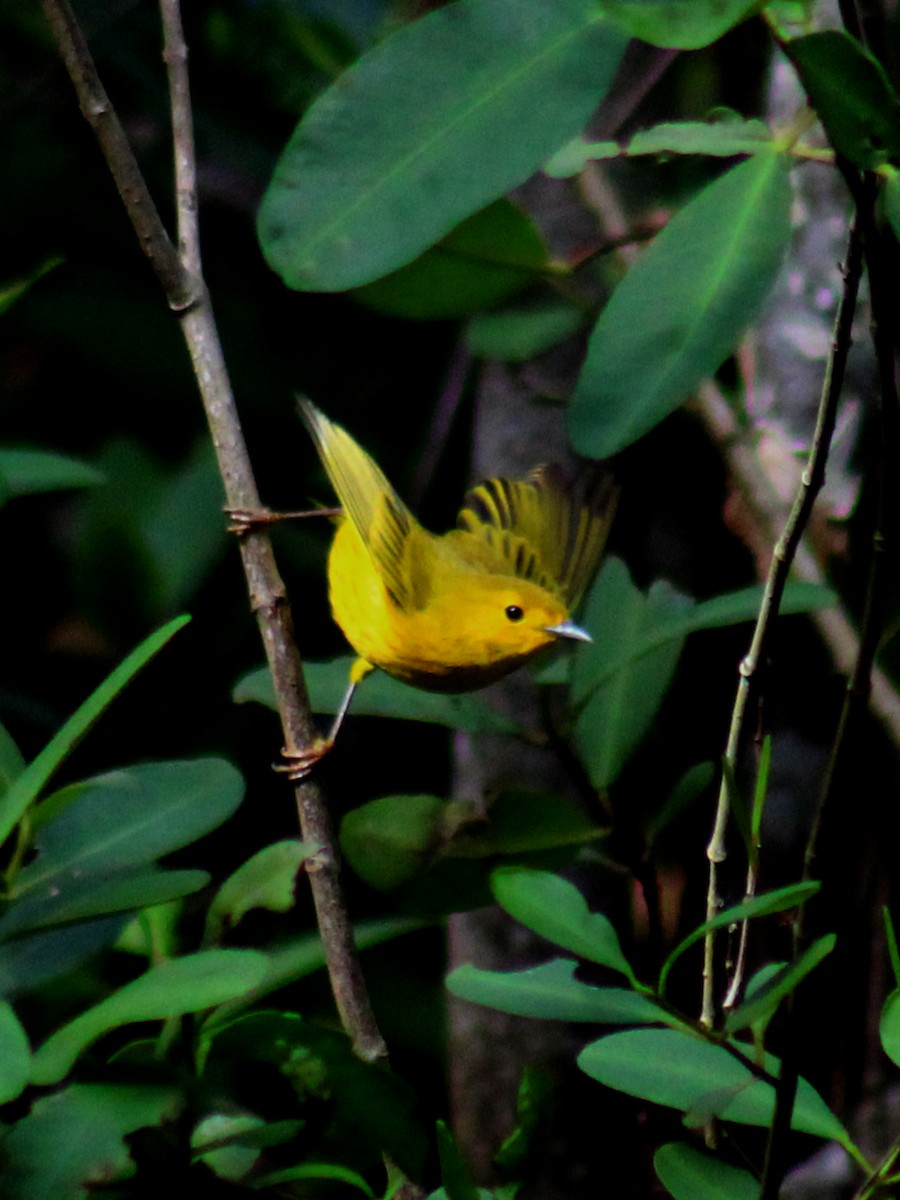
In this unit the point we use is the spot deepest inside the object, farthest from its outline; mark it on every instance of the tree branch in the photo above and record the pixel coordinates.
(181, 277)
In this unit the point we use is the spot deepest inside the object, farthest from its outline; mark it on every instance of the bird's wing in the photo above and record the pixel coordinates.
(541, 528)
(387, 528)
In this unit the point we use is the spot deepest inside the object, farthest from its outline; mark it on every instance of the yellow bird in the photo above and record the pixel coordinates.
(457, 611)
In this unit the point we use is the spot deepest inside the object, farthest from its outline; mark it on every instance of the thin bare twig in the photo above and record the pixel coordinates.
(782, 559)
(181, 278)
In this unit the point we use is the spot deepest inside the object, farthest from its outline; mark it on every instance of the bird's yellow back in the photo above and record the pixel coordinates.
(455, 612)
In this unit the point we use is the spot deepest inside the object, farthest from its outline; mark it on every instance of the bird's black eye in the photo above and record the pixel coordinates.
(514, 613)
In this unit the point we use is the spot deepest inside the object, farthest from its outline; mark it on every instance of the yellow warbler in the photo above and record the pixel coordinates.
(455, 612)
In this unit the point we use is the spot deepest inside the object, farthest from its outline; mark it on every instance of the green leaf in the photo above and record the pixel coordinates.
(725, 135)
(66, 897)
(455, 1175)
(552, 993)
(11, 292)
(890, 198)
(556, 910)
(184, 528)
(12, 764)
(228, 1159)
(367, 1107)
(693, 783)
(169, 989)
(32, 959)
(73, 1141)
(762, 1005)
(485, 260)
(26, 472)
(130, 817)
(379, 696)
(891, 939)
(681, 310)
(682, 24)
(301, 956)
(852, 96)
(619, 686)
(776, 901)
(390, 840)
(522, 821)
(597, 664)
(515, 335)
(26, 788)
(15, 1055)
(426, 129)
(689, 1174)
(889, 1027)
(311, 1170)
(265, 880)
(681, 1070)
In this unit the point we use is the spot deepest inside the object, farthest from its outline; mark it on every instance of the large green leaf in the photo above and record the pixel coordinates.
(169, 989)
(301, 956)
(130, 817)
(379, 696)
(682, 24)
(689, 1174)
(25, 472)
(515, 335)
(441, 118)
(680, 1070)
(889, 1027)
(619, 690)
(393, 838)
(73, 1141)
(554, 908)
(552, 993)
(26, 788)
(680, 311)
(32, 959)
(15, 1055)
(852, 95)
(65, 896)
(488, 258)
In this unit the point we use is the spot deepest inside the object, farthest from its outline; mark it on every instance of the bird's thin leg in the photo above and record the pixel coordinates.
(247, 520)
(298, 764)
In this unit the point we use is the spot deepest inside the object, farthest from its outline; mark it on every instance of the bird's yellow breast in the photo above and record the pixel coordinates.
(460, 637)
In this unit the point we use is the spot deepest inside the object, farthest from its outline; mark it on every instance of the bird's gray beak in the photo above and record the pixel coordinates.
(568, 629)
